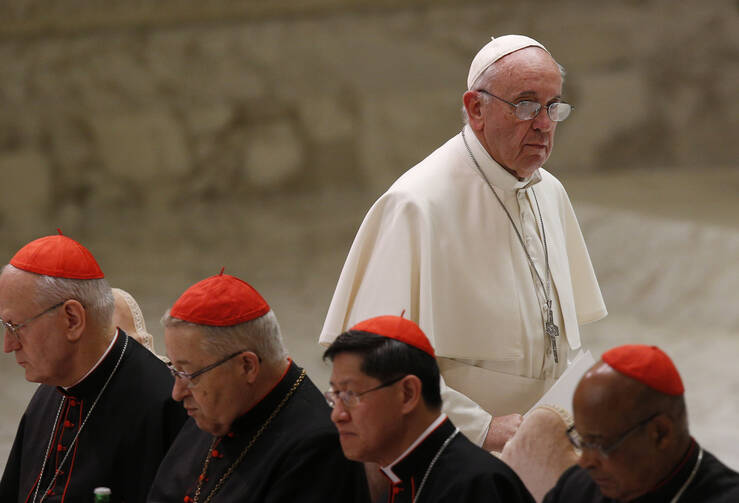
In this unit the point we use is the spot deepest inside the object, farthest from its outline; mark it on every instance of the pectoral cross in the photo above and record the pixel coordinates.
(552, 331)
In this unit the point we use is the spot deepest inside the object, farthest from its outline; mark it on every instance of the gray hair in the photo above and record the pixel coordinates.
(261, 335)
(95, 295)
(488, 76)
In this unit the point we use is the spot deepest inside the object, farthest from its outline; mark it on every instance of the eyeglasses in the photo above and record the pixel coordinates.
(187, 378)
(350, 398)
(13, 328)
(605, 450)
(527, 110)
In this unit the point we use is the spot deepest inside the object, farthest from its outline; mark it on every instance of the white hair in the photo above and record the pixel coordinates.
(261, 335)
(95, 295)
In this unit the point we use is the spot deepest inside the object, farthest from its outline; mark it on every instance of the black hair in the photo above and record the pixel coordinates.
(385, 359)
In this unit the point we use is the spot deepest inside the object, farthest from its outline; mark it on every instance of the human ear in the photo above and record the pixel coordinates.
(410, 387)
(250, 365)
(75, 319)
(473, 105)
(663, 431)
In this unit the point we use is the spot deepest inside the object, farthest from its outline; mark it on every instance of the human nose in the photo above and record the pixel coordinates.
(339, 414)
(542, 121)
(10, 341)
(589, 458)
(180, 389)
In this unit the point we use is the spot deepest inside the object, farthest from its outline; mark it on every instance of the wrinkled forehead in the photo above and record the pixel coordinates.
(17, 289)
(185, 342)
(530, 60)
(524, 54)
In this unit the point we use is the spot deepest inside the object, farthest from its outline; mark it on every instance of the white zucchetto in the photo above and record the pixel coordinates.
(496, 49)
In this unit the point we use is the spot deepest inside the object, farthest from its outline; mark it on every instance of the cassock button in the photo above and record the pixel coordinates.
(72, 402)
(60, 448)
(187, 499)
(230, 434)
(214, 453)
(68, 423)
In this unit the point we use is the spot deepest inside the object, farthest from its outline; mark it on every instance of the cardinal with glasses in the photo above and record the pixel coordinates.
(631, 427)
(481, 247)
(387, 409)
(260, 430)
(102, 415)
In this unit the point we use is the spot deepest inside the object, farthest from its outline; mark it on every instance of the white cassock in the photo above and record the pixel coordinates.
(438, 245)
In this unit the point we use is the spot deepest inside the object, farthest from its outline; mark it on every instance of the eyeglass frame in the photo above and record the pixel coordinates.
(353, 396)
(605, 451)
(13, 328)
(187, 377)
(517, 106)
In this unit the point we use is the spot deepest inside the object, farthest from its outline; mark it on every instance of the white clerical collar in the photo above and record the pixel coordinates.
(498, 176)
(388, 470)
(110, 346)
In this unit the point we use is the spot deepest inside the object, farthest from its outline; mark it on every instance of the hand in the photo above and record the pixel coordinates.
(540, 452)
(501, 429)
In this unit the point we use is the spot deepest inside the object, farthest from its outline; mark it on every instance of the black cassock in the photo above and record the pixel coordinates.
(120, 446)
(463, 472)
(713, 482)
(298, 456)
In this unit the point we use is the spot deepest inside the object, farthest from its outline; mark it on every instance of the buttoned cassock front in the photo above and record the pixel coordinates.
(296, 457)
(439, 245)
(121, 444)
(441, 466)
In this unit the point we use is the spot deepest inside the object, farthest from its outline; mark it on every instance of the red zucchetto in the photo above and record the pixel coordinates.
(398, 328)
(648, 365)
(57, 256)
(220, 301)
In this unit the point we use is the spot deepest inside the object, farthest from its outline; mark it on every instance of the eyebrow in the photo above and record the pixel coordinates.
(532, 94)
(341, 383)
(594, 436)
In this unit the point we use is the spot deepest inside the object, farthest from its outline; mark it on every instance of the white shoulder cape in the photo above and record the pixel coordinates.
(438, 245)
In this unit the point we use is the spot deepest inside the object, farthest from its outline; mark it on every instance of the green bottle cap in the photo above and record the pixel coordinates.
(102, 494)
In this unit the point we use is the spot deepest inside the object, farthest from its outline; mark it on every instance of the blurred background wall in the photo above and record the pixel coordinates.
(176, 137)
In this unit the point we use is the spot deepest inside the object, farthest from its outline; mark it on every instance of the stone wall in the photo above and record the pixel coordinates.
(152, 105)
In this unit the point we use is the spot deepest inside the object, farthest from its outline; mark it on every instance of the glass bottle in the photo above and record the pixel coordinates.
(102, 494)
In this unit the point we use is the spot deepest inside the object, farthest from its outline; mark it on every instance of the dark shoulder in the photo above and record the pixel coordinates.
(574, 485)
(714, 481)
(188, 449)
(190, 437)
(152, 373)
(476, 471)
(482, 460)
(181, 464)
(307, 411)
(42, 396)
